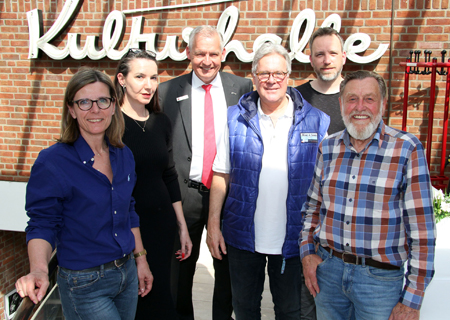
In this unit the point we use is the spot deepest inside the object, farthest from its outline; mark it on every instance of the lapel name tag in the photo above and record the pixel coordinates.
(183, 98)
(309, 137)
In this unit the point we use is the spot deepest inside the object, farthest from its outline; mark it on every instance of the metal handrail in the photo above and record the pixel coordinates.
(26, 307)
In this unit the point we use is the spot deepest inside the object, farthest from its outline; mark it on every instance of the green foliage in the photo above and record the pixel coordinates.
(441, 205)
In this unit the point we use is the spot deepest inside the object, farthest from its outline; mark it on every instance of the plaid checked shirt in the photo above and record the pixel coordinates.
(377, 203)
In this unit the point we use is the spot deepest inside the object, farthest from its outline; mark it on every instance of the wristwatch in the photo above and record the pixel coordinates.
(142, 253)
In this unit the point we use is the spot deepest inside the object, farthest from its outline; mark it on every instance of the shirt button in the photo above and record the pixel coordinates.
(92, 159)
(350, 200)
(112, 188)
(189, 159)
(115, 212)
(347, 244)
(115, 234)
(124, 255)
(353, 177)
(185, 181)
(348, 222)
(84, 162)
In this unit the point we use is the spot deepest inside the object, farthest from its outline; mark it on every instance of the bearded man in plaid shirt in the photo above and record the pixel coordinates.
(369, 210)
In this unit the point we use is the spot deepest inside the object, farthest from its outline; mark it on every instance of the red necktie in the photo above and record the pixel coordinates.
(209, 142)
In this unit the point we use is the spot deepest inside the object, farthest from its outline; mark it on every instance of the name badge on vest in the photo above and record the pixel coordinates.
(308, 137)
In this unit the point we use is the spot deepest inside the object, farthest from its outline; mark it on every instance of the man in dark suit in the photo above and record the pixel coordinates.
(183, 100)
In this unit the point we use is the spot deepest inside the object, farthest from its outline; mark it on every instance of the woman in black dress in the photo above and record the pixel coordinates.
(148, 133)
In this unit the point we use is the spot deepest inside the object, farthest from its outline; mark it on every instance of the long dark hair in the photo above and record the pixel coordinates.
(124, 68)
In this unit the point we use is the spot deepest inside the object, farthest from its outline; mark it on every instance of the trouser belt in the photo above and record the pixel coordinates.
(198, 185)
(352, 259)
(107, 266)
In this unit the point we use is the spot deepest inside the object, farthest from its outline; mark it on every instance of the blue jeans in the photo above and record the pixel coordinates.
(97, 295)
(247, 273)
(349, 291)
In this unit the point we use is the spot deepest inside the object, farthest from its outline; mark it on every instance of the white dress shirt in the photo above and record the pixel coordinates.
(270, 215)
(198, 115)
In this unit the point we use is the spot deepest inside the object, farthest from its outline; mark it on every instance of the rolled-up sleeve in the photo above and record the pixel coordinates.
(222, 161)
(134, 218)
(44, 203)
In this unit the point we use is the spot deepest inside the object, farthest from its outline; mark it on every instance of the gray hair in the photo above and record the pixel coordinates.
(207, 31)
(363, 74)
(326, 31)
(267, 49)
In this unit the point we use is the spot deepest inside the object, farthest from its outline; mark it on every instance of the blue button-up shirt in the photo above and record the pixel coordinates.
(377, 203)
(77, 209)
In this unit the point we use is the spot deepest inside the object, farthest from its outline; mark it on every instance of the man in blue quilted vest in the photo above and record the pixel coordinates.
(262, 171)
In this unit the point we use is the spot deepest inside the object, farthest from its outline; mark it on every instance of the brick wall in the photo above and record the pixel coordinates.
(13, 262)
(31, 91)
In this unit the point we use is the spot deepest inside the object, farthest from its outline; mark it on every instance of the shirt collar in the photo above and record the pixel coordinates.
(289, 112)
(85, 152)
(197, 83)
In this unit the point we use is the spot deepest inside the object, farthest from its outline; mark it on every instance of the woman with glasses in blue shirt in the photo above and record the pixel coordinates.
(79, 200)
(148, 133)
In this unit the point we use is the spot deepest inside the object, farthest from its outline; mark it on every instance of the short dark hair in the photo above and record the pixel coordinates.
(325, 31)
(363, 74)
(124, 68)
(69, 126)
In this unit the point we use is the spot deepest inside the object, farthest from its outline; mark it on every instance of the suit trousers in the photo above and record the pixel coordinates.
(195, 207)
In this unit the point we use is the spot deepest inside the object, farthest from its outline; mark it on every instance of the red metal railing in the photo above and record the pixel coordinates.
(437, 180)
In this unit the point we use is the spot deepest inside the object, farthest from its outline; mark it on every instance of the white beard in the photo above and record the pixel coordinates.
(367, 131)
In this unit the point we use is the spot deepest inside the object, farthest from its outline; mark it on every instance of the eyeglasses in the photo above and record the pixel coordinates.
(86, 104)
(278, 76)
(134, 51)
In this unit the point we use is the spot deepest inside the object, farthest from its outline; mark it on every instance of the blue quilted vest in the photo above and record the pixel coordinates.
(246, 151)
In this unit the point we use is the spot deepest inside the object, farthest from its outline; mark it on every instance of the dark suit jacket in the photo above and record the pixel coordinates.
(180, 114)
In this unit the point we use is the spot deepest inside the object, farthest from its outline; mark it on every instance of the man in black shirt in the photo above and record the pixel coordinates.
(327, 59)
